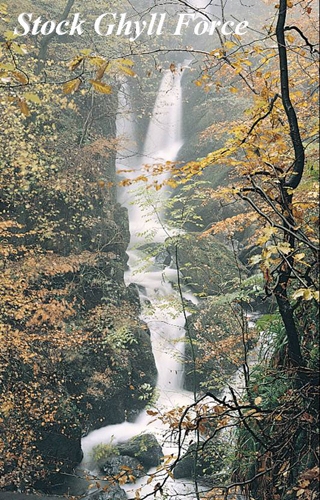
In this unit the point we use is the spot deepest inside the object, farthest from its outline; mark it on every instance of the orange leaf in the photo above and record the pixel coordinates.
(72, 86)
(24, 107)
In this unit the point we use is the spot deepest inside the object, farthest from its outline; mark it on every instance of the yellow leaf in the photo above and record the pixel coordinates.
(101, 87)
(229, 45)
(126, 62)
(9, 35)
(234, 90)
(290, 190)
(86, 52)
(32, 97)
(258, 400)
(127, 71)
(124, 66)
(299, 256)
(268, 232)
(97, 61)
(17, 49)
(75, 63)
(72, 86)
(308, 294)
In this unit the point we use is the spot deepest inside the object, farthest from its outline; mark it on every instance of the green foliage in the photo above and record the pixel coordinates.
(121, 338)
(285, 409)
(103, 451)
(148, 394)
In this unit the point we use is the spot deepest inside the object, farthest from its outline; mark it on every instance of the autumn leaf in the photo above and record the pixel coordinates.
(21, 77)
(24, 107)
(72, 86)
(75, 63)
(101, 87)
(32, 97)
(123, 66)
(101, 71)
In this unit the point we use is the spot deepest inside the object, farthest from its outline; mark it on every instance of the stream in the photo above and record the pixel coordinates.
(161, 307)
(160, 302)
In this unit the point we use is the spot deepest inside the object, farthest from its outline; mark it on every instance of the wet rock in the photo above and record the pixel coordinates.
(205, 460)
(145, 448)
(163, 259)
(112, 491)
(109, 378)
(208, 267)
(122, 465)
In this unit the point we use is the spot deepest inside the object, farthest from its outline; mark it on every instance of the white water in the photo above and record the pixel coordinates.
(161, 307)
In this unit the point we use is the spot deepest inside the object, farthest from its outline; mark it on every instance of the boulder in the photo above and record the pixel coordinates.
(117, 466)
(108, 377)
(111, 491)
(208, 461)
(144, 448)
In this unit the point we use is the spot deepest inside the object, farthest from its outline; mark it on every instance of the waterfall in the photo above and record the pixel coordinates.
(161, 305)
(164, 138)
(162, 143)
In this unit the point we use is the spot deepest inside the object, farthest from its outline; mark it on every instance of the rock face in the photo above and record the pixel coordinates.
(208, 267)
(207, 461)
(107, 380)
(204, 462)
(130, 460)
(214, 348)
(90, 361)
(144, 448)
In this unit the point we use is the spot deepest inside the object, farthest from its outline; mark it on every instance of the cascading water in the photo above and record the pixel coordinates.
(165, 322)
(161, 304)
(164, 139)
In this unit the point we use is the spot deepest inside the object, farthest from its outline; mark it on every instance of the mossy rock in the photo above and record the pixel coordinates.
(145, 448)
(208, 267)
(216, 346)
